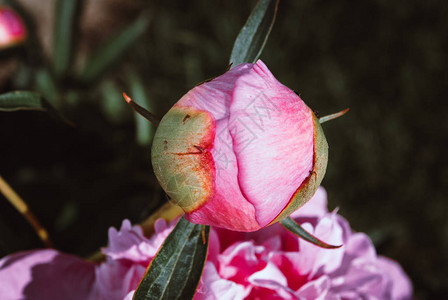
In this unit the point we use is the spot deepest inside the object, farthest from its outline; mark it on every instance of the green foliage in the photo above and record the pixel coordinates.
(20, 100)
(177, 268)
(112, 50)
(253, 36)
(65, 28)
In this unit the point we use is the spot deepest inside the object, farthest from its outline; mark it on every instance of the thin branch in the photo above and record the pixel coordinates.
(24, 210)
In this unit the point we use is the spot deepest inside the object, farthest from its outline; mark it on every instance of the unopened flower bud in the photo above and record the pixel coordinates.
(241, 151)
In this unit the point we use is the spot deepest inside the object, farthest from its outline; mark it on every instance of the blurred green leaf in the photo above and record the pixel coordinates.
(25, 100)
(22, 100)
(144, 128)
(46, 86)
(253, 36)
(112, 102)
(112, 50)
(295, 228)
(177, 268)
(65, 27)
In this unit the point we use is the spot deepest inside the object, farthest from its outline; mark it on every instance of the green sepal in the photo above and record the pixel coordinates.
(175, 271)
(144, 129)
(295, 228)
(253, 36)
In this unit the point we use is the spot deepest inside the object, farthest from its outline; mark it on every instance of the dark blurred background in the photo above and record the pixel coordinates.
(385, 60)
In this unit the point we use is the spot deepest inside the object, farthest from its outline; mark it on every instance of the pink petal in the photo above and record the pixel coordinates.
(362, 277)
(213, 287)
(128, 243)
(267, 276)
(130, 295)
(316, 206)
(115, 279)
(45, 274)
(273, 138)
(227, 208)
(215, 96)
(401, 285)
(270, 277)
(214, 247)
(289, 264)
(360, 245)
(316, 289)
(239, 261)
(315, 259)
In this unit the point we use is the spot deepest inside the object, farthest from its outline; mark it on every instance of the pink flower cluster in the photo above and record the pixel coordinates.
(268, 264)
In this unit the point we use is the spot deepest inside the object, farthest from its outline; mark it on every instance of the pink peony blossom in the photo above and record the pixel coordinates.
(241, 151)
(268, 264)
(12, 28)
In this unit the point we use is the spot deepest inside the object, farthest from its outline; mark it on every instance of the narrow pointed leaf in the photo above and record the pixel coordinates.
(175, 271)
(142, 111)
(112, 50)
(46, 85)
(253, 36)
(67, 14)
(295, 228)
(25, 100)
(333, 116)
(22, 100)
(144, 129)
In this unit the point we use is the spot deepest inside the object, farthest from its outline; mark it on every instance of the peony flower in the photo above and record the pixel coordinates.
(241, 151)
(268, 264)
(46, 274)
(12, 28)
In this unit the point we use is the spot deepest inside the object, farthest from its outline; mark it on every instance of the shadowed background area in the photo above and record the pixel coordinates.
(385, 60)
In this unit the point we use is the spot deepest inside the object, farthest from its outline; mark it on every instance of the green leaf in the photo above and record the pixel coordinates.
(295, 228)
(67, 13)
(144, 129)
(22, 100)
(175, 271)
(112, 103)
(253, 36)
(46, 86)
(112, 50)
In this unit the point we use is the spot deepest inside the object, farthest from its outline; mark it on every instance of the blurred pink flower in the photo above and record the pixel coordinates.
(12, 28)
(267, 264)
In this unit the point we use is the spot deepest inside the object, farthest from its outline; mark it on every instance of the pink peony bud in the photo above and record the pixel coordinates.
(12, 28)
(241, 151)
